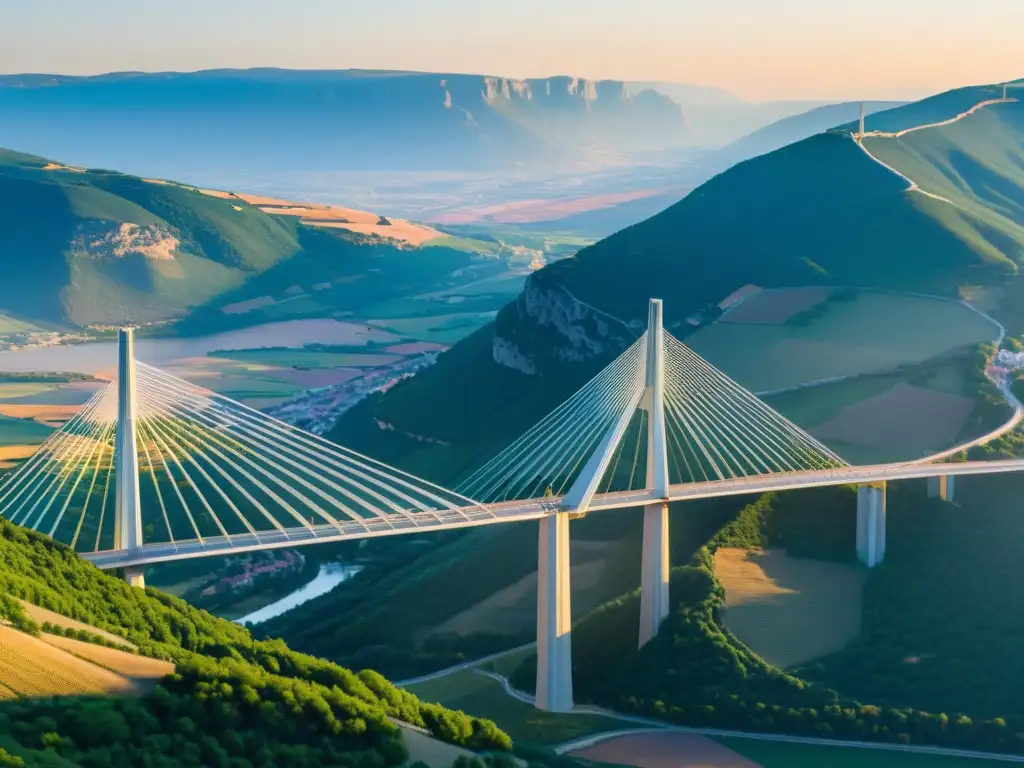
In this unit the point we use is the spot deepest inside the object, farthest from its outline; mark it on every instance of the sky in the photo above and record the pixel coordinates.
(758, 49)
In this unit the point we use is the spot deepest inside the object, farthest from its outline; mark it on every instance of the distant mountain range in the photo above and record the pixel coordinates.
(274, 120)
(716, 117)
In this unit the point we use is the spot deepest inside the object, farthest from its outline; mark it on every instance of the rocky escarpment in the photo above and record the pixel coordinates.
(547, 326)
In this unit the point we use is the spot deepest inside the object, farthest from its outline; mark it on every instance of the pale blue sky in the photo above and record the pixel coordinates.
(761, 49)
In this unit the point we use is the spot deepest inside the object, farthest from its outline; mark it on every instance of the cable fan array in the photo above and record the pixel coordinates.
(714, 430)
(717, 430)
(549, 457)
(211, 467)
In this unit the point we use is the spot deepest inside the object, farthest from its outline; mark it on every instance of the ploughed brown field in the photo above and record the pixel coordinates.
(901, 419)
(665, 749)
(788, 610)
(776, 306)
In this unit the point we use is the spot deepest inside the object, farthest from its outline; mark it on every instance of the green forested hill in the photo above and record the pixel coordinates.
(84, 247)
(232, 702)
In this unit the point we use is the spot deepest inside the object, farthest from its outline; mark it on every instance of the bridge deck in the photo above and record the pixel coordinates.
(532, 509)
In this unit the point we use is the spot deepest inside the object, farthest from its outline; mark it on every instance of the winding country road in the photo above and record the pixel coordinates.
(649, 725)
(913, 186)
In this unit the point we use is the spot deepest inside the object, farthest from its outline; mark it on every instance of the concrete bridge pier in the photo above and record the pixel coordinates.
(654, 574)
(941, 487)
(554, 616)
(128, 507)
(136, 577)
(871, 523)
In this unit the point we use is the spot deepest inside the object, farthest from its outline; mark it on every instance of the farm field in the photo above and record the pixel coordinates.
(139, 669)
(287, 358)
(14, 432)
(878, 419)
(775, 754)
(29, 666)
(789, 611)
(443, 329)
(664, 749)
(870, 333)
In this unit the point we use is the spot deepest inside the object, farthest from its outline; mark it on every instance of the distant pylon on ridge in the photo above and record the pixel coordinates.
(862, 118)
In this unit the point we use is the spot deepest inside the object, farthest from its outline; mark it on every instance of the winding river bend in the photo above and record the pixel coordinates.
(330, 576)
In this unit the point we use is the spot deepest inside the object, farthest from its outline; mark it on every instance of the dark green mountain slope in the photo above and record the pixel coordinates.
(87, 247)
(233, 702)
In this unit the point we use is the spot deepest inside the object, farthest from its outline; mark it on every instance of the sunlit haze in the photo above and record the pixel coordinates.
(757, 49)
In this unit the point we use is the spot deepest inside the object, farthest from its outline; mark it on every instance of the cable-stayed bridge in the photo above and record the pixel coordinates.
(154, 469)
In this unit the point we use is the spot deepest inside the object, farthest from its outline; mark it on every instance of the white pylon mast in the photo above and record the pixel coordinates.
(128, 509)
(655, 563)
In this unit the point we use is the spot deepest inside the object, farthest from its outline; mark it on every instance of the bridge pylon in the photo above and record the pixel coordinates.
(655, 563)
(128, 507)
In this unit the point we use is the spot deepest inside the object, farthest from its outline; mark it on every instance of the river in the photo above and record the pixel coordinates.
(101, 356)
(330, 576)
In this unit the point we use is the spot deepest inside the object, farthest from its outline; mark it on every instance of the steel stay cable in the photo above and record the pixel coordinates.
(47, 448)
(336, 452)
(356, 517)
(76, 446)
(143, 426)
(276, 479)
(560, 415)
(107, 442)
(584, 440)
(337, 459)
(62, 441)
(156, 426)
(760, 405)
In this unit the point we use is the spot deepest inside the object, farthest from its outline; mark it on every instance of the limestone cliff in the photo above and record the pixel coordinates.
(548, 326)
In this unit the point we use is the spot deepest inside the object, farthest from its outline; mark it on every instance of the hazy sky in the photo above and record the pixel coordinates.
(761, 49)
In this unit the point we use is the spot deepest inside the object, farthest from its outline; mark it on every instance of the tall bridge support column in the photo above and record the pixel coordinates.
(655, 566)
(941, 487)
(554, 616)
(128, 507)
(871, 523)
(654, 576)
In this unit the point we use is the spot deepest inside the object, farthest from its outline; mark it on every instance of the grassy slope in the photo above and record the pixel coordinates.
(229, 251)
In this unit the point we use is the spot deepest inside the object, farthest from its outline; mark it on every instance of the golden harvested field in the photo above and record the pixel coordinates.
(12, 452)
(42, 616)
(787, 610)
(31, 667)
(323, 215)
(900, 420)
(140, 669)
(664, 750)
(51, 415)
(773, 307)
